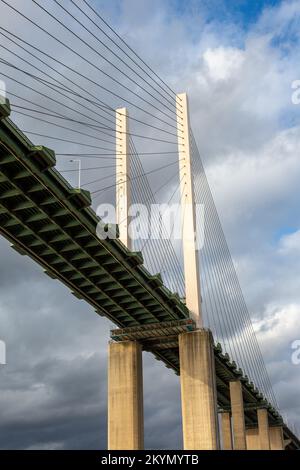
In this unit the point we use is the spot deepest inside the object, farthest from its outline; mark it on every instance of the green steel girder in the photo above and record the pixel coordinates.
(89, 263)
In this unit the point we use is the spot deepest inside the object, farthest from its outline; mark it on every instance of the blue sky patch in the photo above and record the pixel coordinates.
(244, 12)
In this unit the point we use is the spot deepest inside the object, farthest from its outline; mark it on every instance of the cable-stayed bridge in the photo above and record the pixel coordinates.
(141, 286)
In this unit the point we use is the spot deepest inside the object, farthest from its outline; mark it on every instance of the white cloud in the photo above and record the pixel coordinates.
(290, 244)
(280, 20)
(276, 331)
(222, 63)
(276, 334)
(263, 179)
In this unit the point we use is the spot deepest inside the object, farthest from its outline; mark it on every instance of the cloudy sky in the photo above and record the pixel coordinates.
(237, 64)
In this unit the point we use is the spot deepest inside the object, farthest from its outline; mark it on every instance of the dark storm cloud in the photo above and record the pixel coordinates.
(62, 404)
(53, 390)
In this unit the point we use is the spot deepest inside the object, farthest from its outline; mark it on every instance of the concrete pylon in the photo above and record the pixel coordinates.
(252, 438)
(238, 416)
(276, 438)
(198, 391)
(226, 430)
(189, 225)
(125, 397)
(123, 186)
(275, 435)
(263, 429)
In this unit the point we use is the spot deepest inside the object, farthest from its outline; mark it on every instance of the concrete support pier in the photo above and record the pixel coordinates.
(238, 416)
(276, 438)
(125, 397)
(263, 429)
(275, 435)
(198, 391)
(226, 430)
(252, 438)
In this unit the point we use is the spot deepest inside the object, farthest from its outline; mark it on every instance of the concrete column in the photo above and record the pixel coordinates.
(198, 391)
(263, 429)
(226, 430)
(276, 438)
(252, 439)
(238, 417)
(125, 397)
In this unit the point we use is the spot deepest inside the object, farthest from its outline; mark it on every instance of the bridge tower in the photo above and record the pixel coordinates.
(125, 375)
(123, 176)
(197, 366)
(188, 213)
